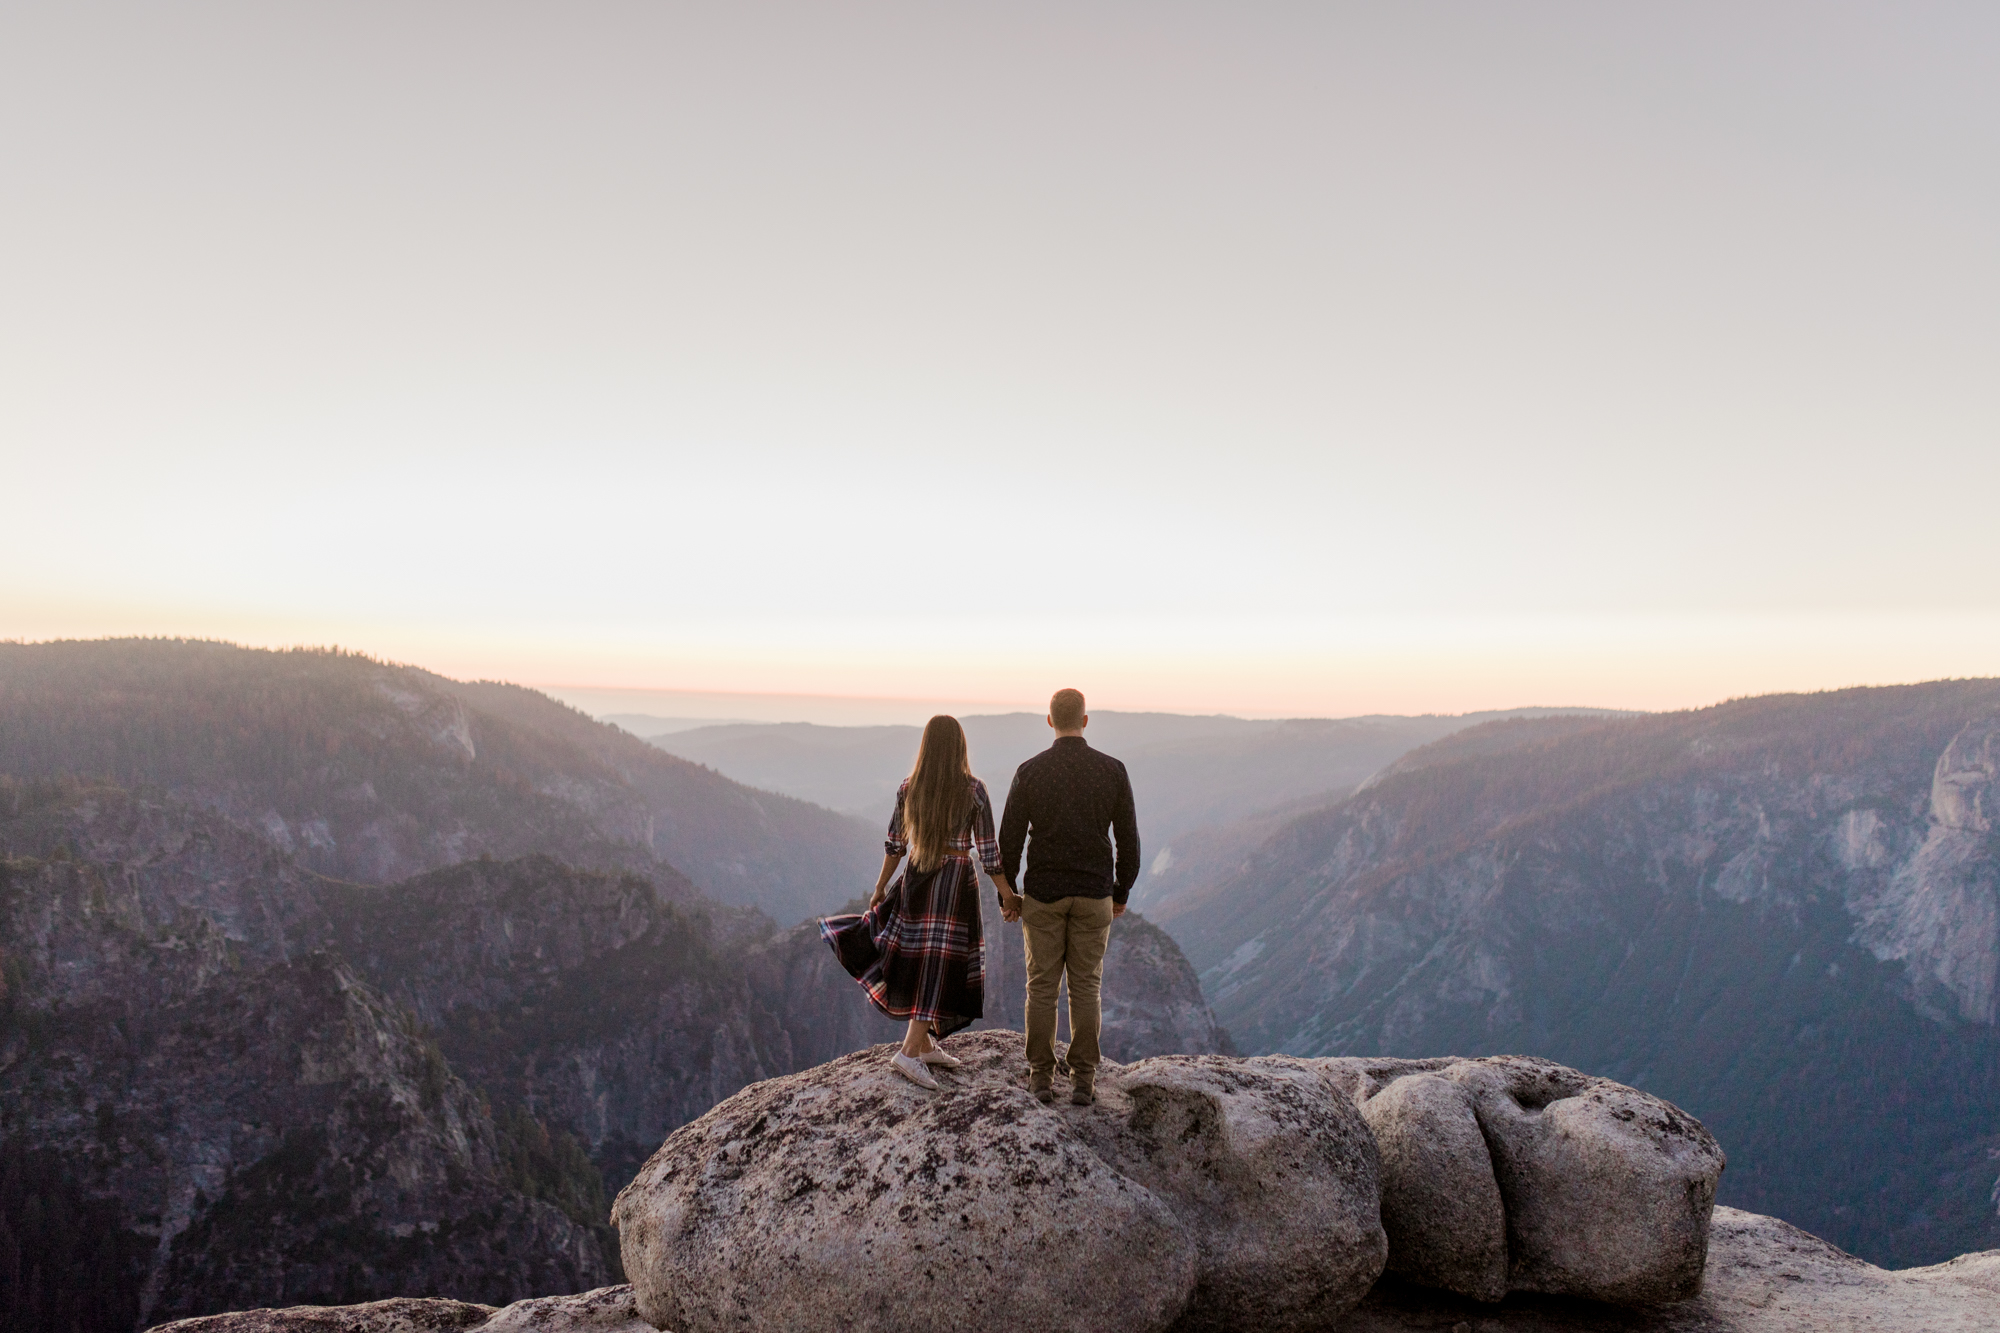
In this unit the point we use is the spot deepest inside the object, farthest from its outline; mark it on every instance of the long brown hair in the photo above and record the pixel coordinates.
(939, 799)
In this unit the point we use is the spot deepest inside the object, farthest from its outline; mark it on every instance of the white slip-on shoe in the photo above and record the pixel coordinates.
(936, 1057)
(913, 1069)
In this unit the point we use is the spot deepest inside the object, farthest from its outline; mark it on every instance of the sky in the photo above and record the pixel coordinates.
(1265, 358)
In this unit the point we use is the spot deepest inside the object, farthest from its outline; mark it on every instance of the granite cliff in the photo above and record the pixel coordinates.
(231, 1116)
(1779, 913)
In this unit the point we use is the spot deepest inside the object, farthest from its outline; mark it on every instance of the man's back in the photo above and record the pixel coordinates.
(1072, 800)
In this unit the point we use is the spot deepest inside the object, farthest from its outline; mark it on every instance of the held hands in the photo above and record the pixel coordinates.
(1010, 904)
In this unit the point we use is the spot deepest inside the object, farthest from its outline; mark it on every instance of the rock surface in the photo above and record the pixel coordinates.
(1266, 1168)
(1763, 1277)
(605, 1310)
(1938, 913)
(402, 1314)
(1441, 1205)
(1220, 1193)
(1557, 1147)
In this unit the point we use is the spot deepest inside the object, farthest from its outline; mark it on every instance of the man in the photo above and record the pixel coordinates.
(1066, 798)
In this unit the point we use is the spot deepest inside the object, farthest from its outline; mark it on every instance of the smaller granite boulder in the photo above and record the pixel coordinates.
(1271, 1171)
(1606, 1191)
(1441, 1206)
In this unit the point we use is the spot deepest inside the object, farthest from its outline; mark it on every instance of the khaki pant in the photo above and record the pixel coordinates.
(1065, 938)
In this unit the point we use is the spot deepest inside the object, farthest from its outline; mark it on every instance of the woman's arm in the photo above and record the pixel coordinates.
(894, 847)
(889, 863)
(988, 847)
(1010, 901)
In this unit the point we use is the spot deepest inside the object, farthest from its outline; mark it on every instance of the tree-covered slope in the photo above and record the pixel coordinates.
(372, 772)
(203, 1109)
(230, 1081)
(1780, 913)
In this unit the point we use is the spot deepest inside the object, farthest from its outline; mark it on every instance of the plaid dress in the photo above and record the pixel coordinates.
(919, 953)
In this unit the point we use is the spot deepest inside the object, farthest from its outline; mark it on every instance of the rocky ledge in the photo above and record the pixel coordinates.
(606, 1310)
(1201, 1193)
(1205, 1192)
(1763, 1277)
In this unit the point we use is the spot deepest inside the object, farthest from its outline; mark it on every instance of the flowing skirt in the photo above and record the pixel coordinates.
(919, 953)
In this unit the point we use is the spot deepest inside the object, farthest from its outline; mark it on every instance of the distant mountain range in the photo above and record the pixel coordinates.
(228, 1079)
(1187, 772)
(372, 772)
(322, 978)
(1782, 914)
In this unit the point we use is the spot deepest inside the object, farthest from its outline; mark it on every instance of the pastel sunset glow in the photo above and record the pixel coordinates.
(1276, 360)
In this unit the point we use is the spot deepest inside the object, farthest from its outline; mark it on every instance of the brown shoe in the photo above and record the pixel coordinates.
(1081, 1095)
(1044, 1090)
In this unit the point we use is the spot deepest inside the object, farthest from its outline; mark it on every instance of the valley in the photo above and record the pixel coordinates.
(1778, 913)
(1188, 773)
(232, 1077)
(326, 979)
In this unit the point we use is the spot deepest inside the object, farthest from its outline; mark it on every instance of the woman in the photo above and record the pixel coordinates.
(917, 950)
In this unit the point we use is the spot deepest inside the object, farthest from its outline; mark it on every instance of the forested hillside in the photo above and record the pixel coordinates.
(373, 772)
(228, 1081)
(1781, 913)
(203, 1108)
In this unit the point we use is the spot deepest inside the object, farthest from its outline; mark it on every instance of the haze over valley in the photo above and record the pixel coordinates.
(1778, 912)
(453, 921)
(1188, 772)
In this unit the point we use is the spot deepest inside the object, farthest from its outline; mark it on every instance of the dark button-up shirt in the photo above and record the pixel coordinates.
(1072, 800)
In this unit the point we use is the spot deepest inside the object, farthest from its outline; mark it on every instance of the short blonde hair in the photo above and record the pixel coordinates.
(1066, 709)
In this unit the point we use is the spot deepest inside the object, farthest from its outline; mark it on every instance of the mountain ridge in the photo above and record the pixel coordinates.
(1187, 771)
(373, 772)
(1777, 912)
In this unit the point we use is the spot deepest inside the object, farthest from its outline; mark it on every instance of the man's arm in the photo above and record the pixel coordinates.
(1014, 829)
(1010, 901)
(1125, 829)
